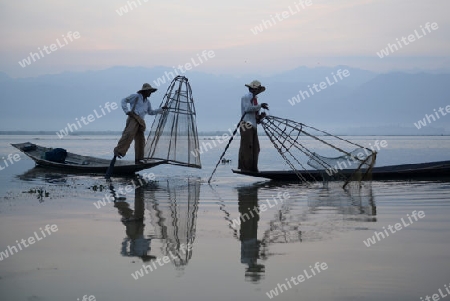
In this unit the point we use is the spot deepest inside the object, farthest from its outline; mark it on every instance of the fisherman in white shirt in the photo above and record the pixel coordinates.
(136, 106)
(249, 147)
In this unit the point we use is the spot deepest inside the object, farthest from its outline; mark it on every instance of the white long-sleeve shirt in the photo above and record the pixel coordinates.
(248, 107)
(142, 107)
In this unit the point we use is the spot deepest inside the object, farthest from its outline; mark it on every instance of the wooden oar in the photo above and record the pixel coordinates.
(110, 169)
(226, 147)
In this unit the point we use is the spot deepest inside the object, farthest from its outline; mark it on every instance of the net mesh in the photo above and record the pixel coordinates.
(332, 156)
(173, 135)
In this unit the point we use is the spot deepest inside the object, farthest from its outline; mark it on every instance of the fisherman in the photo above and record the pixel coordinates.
(249, 148)
(138, 107)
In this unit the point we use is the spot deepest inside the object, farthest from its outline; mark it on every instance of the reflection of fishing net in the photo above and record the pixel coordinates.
(338, 159)
(173, 135)
(328, 212)
(173, 215)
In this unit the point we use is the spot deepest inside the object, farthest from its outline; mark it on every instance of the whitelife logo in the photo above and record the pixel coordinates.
(319, 87)
(281, 287)
(131, 5)
(430, 118)
(181, 69)
(391, 48)
(206, 146)
(11, 158)
(161, 262)
(11, 250)
(71, 127)
(277, 201)
(49, 49)
(107, 199)
(279, 17)
(353, 162)
(398, 226)
(437, 297)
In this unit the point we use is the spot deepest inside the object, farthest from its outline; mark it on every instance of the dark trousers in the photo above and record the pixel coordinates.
(249, 148)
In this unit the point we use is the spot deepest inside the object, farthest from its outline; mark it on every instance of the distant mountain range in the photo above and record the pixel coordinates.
(363, 102)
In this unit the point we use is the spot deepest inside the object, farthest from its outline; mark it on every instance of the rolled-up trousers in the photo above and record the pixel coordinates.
(133, 131)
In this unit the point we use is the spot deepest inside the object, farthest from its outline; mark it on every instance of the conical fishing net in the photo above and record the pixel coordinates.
(332, 156)
(173, 135)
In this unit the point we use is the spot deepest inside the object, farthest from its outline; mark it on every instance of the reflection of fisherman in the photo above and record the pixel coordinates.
(135, 244)
(250, 245)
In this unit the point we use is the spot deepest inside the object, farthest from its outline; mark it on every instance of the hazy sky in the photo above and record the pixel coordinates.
(169, 33)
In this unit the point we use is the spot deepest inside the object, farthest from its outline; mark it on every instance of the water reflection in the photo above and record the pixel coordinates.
(172, 209)
(135, 244)
(252, 249)
(173, 215)
(310, 214)
(46, 175)
(320, 213)
(355, 203)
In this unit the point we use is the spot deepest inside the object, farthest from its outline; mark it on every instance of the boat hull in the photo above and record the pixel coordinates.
(83, 164)
(422, 171)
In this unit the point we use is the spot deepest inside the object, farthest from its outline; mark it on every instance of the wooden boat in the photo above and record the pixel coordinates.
(84, 164)
(422, 171)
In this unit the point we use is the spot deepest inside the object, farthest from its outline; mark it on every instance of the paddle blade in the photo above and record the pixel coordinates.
(110, 169)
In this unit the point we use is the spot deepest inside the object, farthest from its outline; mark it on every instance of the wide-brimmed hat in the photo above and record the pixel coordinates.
(256, 85)
(147, 87)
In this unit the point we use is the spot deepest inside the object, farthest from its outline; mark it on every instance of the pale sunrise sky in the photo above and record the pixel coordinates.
(170, 33)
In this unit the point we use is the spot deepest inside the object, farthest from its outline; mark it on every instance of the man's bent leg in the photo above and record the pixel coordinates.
(128, 135)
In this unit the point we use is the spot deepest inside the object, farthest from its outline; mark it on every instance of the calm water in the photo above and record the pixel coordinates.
(186, 231)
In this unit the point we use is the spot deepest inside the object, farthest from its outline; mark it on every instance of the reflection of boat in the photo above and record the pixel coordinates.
(423, 171)
(85, 164)
(44, 174)
(173, 215)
